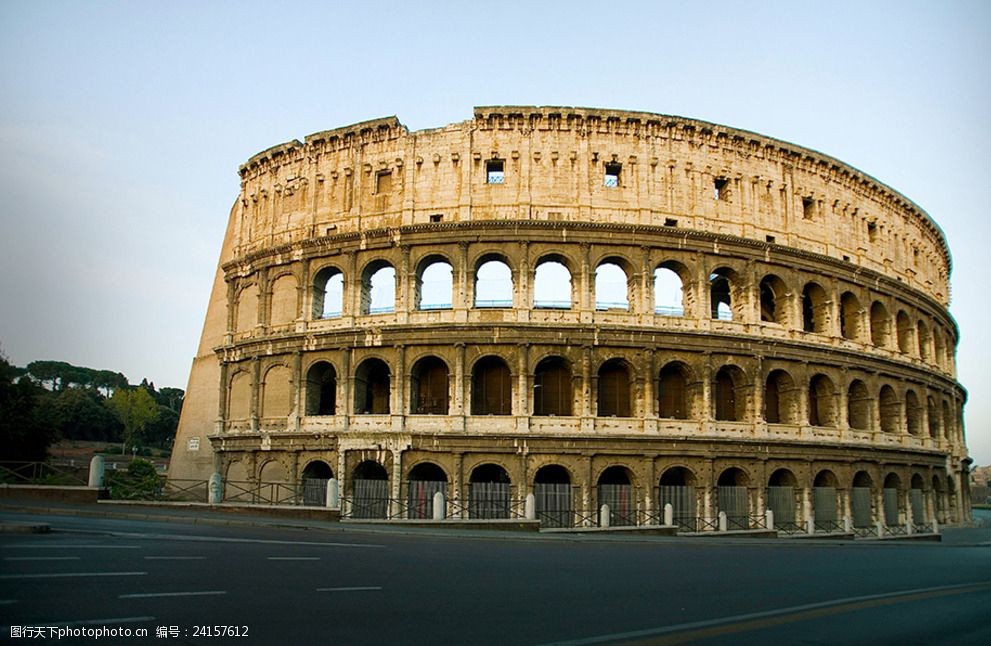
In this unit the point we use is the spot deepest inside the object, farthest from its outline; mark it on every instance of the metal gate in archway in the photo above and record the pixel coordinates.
(735, 503)
(553, 504)
(420, 497)
(371, 499)
(489, 500)
(781, 501)
(863, 508)
(683, 503)
(824, 509)
(622, 503)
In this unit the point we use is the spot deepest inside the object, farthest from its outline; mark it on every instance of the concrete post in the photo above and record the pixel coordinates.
(769, 515)
(810, 526)
(847, 524)
(935, 525)
(440, 506)
(722, 521)
(96, 470)
(909, 527)
(216, 489)
(880, 529)
(530, 507)
(333, 498)
(604, 516)
(668, 514)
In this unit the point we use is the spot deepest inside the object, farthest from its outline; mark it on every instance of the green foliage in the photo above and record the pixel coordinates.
(82, 414)
(140, 481)
(136, 409)
(24, 433)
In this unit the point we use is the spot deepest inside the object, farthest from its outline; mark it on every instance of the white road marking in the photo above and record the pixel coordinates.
(356, 588)
(41, 558)
(152, 595)
(69, 546)
(56, 575)
(708, 623)
(95, 622)
(7, 602)
(218, 539)
(174, 558)
(294, 558)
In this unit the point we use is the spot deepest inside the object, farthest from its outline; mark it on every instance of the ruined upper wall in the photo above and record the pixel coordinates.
(673, 172)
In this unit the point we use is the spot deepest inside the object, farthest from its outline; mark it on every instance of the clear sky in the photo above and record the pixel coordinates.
(122, 125)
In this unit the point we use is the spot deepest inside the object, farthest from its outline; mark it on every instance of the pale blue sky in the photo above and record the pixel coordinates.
(122, 125)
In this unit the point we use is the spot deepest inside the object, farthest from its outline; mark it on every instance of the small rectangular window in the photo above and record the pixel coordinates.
(872, 231)
(612, 174)
(495, 171)
(383, 182)
(808, 208)
(670, 222)
(769, 238)
(719, 188)
(436, 217)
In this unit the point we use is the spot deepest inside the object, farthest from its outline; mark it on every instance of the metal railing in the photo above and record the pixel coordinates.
(40, 473)
(829, 526)
(789, 527)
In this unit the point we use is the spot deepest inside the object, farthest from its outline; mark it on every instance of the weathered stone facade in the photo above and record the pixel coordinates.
(811, 347)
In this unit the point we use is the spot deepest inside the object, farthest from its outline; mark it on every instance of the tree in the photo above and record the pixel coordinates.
(23, 434)
(82, 414)
(136, 409)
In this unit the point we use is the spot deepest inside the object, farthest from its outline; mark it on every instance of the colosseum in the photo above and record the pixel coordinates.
(594, 307)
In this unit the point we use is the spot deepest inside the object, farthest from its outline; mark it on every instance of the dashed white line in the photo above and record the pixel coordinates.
(294, 558)
(96, 622)
(356, 588)
(174, 558)
(64, 546)
(153, 595)
(57, 575)
(41, 558)
(7, 602)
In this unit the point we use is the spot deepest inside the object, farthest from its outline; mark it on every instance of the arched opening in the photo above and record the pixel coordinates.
(733, 499)
(721, 288)
(611, 287)
(850, 316)
(314, 483)
(782, 499)
(913, 413)
(939, 347)
(434, 284)
(489, 492)
(947, 420)
(932, 415)
(672, 391)
(274, 486)
(370, 486)
(880, 325)
(858, 406)
(890, 409)
(939, 498)
(824, 504)
(614, 393)
(282, 303)
(862, 500)
(321, 389)
(905, 332)
(552, 284)
(239, 397)
(552, 494)
(493, 284)
(815, 309)
(615, 489)
(917, 501)
(372, 388)
(774, 300)
(892, 507)
(378, 288)
(729, 396)
(429, 387)
(669, 291)
(552, 393)
(676, 487)
(246, 314)
(425, 480)
(491, 387)
(780, 402)
(328, 293)
(822, 401)
(276, 393)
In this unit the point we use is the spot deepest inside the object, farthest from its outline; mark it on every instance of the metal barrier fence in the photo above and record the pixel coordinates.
(40, 473)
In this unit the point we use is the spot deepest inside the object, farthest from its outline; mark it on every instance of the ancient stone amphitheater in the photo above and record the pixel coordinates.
(590, 306)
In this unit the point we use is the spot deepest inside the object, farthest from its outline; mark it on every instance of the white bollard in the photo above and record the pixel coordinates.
(722, 521)
(668, 514)
(880, 529)
(96, 470)
(215, 489)
(530, 507)
(908, 527)
(333, 497)
(440, 506)
(769, 515)
(810, 526)
(847, 524)
(935, 526)
(604, 516)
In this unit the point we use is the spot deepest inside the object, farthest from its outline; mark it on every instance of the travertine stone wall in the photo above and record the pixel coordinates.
(835, 353)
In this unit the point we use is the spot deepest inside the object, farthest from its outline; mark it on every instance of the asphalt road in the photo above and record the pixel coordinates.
(350, 586)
